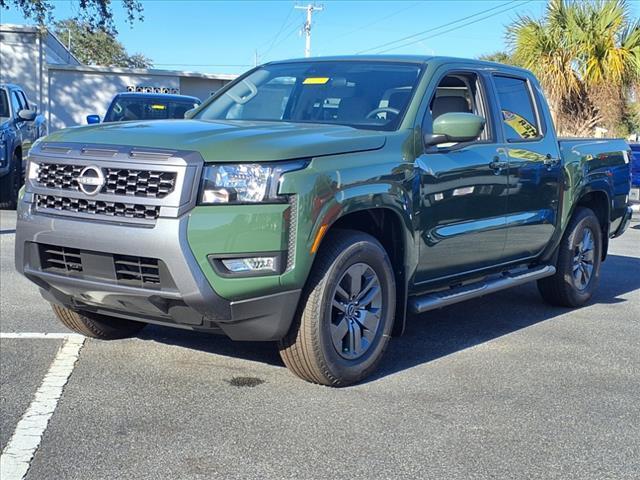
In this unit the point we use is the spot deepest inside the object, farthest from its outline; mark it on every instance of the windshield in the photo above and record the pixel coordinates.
(4, 103)
(360, 94)
(131, 108)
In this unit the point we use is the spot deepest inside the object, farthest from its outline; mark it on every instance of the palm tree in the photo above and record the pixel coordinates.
(586, 55)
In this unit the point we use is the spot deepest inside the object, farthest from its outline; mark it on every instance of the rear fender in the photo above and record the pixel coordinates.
(599, 187)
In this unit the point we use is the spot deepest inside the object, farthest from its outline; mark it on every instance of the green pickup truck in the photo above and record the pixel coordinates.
(318, 202)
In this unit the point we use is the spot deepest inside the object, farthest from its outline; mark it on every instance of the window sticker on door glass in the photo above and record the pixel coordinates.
(519, 124)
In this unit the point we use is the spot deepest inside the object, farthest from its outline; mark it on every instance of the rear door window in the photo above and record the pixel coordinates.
(519, 119)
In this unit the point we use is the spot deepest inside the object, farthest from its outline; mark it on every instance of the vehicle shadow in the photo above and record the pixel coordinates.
(438, 333)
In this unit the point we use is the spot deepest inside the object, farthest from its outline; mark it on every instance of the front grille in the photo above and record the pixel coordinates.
(139, 183)
(127, 270)
(60, 259)
(54, 175)
(118, 181)
(137, 271)
(97, 207)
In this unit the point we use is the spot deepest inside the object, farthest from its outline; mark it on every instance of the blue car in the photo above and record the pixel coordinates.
(635, 176)
(20, 126)
(146, 106)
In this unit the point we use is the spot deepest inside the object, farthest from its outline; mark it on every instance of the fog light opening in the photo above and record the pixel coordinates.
(251, 264)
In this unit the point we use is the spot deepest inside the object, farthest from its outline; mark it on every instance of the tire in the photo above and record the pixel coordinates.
(97, 326)
(567, 288)
(347, 258)
(10, 184)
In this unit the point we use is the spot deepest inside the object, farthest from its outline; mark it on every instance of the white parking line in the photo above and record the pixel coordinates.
(54, 335)
(18, 453)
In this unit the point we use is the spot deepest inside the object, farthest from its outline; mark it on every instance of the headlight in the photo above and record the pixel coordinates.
(244, 183)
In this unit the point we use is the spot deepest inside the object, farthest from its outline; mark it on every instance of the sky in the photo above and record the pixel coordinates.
(224, 36)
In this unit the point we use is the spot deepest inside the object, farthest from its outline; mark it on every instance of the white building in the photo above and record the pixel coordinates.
(67, 91)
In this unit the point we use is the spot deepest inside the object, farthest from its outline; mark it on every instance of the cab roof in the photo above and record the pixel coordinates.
(414, 59)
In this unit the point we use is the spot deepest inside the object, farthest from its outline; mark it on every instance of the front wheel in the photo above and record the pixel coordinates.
(579, 258)
(346, 313)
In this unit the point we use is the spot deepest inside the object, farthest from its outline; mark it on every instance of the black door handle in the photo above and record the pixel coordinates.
(498, 164)
(550, 161)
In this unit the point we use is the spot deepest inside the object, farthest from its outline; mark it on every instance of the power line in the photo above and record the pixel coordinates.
(386, 17)
(454, 28)
(436, 28)
(290, 32)
(275, 37)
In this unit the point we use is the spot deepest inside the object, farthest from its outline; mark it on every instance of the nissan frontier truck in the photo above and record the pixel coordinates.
(316, 203)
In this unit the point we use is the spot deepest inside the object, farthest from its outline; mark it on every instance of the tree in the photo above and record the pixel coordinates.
(586, 55)
(609, 58)
(98, 14)
(498, 57)
(97, 47)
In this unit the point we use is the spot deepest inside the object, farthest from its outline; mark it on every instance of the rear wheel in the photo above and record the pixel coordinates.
(93, 325)
(579, 258)
(10, 184)
(346, 313)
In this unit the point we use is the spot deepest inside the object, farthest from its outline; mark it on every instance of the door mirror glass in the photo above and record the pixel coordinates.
(27, 115)
(93, 119)
(455, 127)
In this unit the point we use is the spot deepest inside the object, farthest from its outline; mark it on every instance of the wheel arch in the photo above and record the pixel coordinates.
(599, 202)
(17, 149)
(392, 229)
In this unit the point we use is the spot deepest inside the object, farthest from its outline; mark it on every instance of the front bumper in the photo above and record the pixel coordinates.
(188, 301)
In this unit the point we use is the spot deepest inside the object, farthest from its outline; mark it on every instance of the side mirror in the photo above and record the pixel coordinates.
(93, 119)
(27, 115)
(455, 127)
(190, 113)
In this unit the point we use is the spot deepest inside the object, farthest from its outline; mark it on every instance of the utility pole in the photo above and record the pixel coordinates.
(307, 25)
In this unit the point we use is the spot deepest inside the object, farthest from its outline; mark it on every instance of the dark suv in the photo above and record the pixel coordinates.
(20, 126)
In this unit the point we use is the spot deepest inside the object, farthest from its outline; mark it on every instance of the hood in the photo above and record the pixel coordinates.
(229, 141)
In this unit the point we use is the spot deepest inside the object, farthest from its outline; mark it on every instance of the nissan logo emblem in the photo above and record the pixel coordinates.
(91, 180)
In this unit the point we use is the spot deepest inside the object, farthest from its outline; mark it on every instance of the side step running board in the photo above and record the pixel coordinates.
(431, 301)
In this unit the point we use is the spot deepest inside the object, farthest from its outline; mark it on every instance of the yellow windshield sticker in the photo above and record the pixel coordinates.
(315, 80)
(520, 125)
(158, 107)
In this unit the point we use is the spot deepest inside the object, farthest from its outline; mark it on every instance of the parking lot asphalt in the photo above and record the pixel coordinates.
(499, 387)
